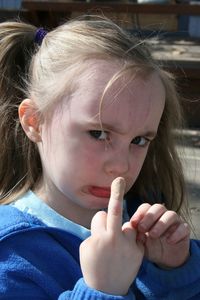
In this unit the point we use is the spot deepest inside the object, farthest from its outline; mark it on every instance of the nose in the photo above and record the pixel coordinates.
(117, 162)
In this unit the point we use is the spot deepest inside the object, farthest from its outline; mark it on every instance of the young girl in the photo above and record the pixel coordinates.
(87, 119)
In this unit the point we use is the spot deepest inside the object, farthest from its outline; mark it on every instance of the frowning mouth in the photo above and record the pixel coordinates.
(101, 192)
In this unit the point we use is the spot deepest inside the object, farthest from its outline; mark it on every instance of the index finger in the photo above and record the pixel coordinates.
(114, 216)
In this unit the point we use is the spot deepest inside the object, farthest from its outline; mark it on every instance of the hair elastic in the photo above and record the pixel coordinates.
(39, 35)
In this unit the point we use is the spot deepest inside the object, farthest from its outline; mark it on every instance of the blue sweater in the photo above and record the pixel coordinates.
(41, 262)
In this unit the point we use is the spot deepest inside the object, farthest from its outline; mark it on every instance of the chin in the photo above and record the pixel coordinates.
(99, 204)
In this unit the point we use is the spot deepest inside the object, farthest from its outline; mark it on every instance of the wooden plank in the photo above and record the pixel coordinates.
(135, 8)
(180, 55)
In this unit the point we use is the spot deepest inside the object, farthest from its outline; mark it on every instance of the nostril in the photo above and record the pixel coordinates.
(118, 165)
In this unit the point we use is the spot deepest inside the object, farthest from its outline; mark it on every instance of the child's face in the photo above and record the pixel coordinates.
(80, 160)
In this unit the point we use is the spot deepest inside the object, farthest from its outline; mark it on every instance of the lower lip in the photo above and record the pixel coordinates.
(99, 192)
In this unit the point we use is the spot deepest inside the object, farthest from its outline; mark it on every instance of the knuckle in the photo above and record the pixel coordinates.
(187, 228)
(145, 206)
(173, 214)
(160, 207)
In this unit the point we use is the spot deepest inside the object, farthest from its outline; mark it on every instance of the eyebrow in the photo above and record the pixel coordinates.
(117, 128)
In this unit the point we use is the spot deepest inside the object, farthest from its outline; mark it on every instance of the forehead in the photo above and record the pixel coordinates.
(127, 97)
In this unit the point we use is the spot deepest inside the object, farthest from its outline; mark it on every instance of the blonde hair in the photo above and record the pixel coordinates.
(46, 74)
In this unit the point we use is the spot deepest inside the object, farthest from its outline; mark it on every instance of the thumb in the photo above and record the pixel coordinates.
(98, 224)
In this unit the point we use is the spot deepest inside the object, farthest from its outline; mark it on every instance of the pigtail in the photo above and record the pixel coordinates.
(16, 150)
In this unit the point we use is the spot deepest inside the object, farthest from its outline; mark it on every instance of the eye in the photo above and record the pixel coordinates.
(99, 134)
(140, 141)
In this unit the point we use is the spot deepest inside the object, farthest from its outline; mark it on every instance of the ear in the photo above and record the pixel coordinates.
(30, 119)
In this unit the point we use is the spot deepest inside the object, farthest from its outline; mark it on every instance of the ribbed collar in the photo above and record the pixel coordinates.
(33, 205)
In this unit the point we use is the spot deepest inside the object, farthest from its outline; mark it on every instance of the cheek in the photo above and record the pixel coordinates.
(79, 155)
(90, 158)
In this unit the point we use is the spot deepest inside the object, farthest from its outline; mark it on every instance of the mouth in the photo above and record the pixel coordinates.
(101, 192)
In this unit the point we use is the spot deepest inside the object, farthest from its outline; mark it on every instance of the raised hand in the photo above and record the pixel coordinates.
(111, 257)
(164, 234)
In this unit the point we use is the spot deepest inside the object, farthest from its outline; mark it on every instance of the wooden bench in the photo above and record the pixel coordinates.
(135, 8)
(49, 9)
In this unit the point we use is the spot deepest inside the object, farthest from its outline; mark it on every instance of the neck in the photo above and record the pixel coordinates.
(64, 207)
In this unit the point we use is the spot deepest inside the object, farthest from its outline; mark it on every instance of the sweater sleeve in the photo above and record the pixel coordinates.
(180, 283)
(38, 271)
(39, 262)
(82, 291)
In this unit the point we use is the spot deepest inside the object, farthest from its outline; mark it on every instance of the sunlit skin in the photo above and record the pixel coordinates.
(80, 160)
(90, 161)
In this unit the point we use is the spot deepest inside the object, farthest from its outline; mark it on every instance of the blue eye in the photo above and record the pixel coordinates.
(99, 134)
(140, 141)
